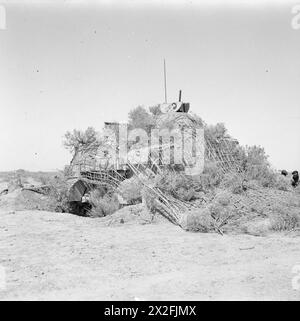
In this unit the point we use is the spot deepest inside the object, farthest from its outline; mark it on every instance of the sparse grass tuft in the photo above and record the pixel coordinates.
(198, 220)
(234, 182)
(211, 176)
(178, 185)
(103, 206)
(130, 190)
(283, 219)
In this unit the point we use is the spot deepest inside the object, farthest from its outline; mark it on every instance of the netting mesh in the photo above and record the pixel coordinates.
(97, 156)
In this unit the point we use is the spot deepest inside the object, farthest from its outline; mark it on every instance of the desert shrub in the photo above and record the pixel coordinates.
(223, 198)
(58, 194)
(149, 199)
(259, 208)
(234, 182)
(263, 174)
(254, 156)
(256, 227)
(155, 110)
(221, 209)
(282, 183)
(44, 179)
(75, 140)
(267, 177)
(176, 184)
(186, 194)
(103, 206)
(221, 214)
(139, 117)
(198, 220)
(283, 219)
(215, 132)
(130, 190)
(255, 166)
(100, 191)
(252, 184)
(211, 176)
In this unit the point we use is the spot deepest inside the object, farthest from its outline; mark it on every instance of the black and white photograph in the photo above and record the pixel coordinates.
(149, 152)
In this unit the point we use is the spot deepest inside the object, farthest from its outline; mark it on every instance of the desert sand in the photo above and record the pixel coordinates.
(58, 256)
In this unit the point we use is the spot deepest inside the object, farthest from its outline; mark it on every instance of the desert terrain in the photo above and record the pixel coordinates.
(58, 256)
(150, 151)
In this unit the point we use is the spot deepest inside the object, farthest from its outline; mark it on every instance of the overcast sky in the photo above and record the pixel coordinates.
(71, 64)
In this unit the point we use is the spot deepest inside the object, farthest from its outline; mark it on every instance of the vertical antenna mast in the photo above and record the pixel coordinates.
(165, 80)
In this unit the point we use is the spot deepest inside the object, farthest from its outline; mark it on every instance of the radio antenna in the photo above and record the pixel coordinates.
(165, 80)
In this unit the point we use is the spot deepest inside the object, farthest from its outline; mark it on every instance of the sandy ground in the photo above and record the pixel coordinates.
(52, 256)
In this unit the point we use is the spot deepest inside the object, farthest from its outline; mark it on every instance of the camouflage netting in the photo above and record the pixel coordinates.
(221, 151)
(94, 162)
(169, 120)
